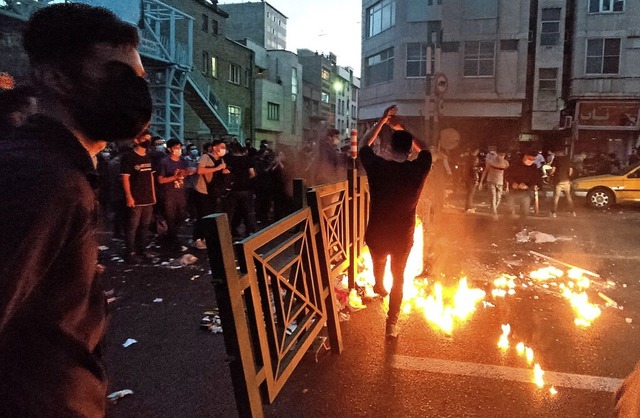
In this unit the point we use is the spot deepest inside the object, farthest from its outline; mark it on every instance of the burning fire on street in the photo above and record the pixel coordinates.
(447, 307)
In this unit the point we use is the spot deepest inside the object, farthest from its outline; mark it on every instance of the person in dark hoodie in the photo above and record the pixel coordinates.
(52, 307)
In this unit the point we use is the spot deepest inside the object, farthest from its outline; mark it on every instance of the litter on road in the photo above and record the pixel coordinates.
(129, 342)
(113, 397)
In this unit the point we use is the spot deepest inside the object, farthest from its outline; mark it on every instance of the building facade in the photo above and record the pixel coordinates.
(257, 21)
(506, 73)
(346, 87)
(604, 84)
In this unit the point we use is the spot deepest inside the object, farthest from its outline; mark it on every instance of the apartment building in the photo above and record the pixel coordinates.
(258, 21)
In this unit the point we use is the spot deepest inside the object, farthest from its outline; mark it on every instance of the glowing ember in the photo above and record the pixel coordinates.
(553, 391)
(520, 348)
(503, 343)
(537, 375)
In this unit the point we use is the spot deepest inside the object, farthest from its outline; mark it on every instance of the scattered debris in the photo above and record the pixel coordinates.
(111, 300)
(211, 321)
(188, 259)
(113, 397)
(130, 341)
(355, 301)
(103, 248)
(197, 276)
(157, 300)
(609, 302)
(629, 320)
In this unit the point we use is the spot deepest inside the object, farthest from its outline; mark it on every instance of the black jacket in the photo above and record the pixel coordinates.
(52, 308)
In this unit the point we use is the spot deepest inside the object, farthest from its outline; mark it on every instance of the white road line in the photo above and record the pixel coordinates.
(567, 380)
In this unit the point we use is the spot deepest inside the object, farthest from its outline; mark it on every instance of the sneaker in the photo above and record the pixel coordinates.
(392, 330)
(553, 215)
(200, 244)
(380, 290)
(573, 214)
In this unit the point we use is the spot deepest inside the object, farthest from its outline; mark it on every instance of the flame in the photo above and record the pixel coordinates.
(553, 391)
(503, 343)
(520, 348)
(528, 353)
(546, 273)
(415, 264)
(537, 375)
(585, 311)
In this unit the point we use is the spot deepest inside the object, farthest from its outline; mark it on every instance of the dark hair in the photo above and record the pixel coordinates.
(401, 141)
(217, 142)
(65, 34)
(530, 153)
(173, 142)
(332, 132)
(191, 146)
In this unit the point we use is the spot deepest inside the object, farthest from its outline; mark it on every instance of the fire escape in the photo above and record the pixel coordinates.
(166, 46)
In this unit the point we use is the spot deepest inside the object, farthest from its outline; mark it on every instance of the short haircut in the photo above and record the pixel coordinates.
(332, 132)
(401, 141)
(65, 34)
(217, 142)
(530, 153)
(173, 142)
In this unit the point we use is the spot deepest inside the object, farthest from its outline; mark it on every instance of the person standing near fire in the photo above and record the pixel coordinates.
(523, 179)
(395, 184)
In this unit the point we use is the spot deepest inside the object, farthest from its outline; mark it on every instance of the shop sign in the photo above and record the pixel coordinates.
(610, 114)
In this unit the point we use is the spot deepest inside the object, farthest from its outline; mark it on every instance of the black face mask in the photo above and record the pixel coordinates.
(145, 144)
(115, 108)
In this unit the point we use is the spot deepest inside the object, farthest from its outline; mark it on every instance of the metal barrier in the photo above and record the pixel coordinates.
(275, 289)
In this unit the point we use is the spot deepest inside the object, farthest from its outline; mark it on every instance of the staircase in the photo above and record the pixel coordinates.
(203, 100)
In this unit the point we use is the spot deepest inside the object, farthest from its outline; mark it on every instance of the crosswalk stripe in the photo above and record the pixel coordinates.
(461, 368)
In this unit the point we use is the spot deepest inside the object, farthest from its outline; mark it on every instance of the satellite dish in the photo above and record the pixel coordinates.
(449, 139)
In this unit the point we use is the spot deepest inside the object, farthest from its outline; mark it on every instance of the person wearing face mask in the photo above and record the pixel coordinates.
(91, 91)
(172, 178)
(138, 183)
(523, 179)
(209, 188)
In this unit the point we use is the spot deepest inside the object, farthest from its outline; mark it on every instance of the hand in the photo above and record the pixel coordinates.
(222, 166)
(225, 171)
(390, 111)
(130, 202)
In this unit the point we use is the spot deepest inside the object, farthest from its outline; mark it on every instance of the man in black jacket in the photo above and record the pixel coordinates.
(523, 179)
(52, 308)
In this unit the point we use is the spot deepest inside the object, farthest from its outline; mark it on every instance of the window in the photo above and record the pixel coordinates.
(381, 17)
(234, 74)
(550, 33)
(606, 6)
(324, 97)
(205, 23)
(235, 116)
(479, 58)
(416, 60)
(294, 84)
(214, 27)
(603, 56)
(205, 63)
(325, 74)
(379, 67)
(547, 84)
(450, 46)
(214, 67)
(273, 111)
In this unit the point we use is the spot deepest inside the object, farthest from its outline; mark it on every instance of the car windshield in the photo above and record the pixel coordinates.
(623, 171)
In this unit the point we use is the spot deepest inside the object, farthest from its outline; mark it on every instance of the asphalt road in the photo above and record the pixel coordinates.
(177, 370)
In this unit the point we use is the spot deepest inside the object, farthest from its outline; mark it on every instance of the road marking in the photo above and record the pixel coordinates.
(567, 380)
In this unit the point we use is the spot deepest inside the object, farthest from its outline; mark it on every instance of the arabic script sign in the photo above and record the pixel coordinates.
(608, 113)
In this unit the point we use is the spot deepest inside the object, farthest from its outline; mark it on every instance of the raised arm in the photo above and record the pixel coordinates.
(371, 135)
